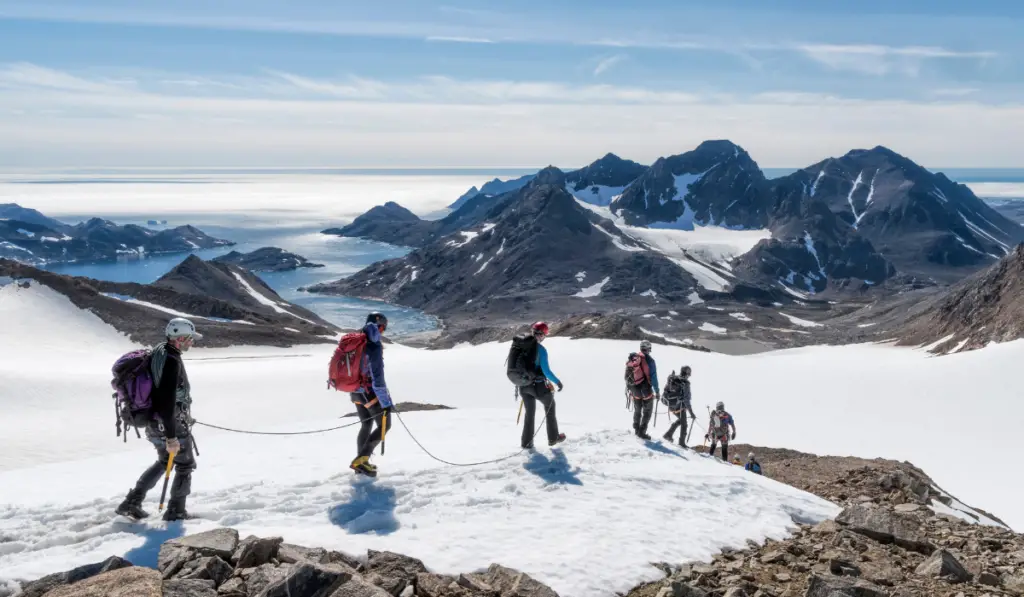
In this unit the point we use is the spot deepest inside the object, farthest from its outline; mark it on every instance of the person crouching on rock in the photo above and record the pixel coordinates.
(677, 398)
(642, 387)
(168, 430)
(541, 391)
(718, 430)
(373, 400)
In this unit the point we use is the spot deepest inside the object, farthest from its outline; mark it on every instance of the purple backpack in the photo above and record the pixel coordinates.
(132, 384)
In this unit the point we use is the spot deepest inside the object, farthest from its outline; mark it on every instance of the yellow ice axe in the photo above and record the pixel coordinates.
(167, 477)
(383, 430)
(520, 412)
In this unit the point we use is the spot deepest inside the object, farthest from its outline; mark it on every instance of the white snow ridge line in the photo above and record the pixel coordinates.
(592, 291)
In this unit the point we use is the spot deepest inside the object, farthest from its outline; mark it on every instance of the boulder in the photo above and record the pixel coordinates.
(177, 587)
(133, 581)
(736, 592)
(680, 589)
(254, 551)
(218, 542)
(943, 564)
(259, 578)
(174, 554)
(234, 587)
(987, 578)
(388, 565)
(40, 587)
(885, 526)
(294, 554)
(306, 580)
(358, 587)
(443, 585)
(833, 586)
(512, 583)
(476, 586)
(208, 568)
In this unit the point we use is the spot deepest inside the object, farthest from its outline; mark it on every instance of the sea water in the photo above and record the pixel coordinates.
(253, 209)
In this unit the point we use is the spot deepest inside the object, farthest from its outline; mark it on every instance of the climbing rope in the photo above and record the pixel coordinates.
(246, 432)
(464, 464)
(400, 420)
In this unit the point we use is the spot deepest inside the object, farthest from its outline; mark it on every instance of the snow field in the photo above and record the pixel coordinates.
(586, 518)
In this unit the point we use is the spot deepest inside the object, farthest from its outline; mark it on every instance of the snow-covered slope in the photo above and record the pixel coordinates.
(568, 516)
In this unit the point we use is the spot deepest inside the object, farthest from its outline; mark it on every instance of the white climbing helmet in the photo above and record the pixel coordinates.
(180, 327)
(645, 345)
(720, 405)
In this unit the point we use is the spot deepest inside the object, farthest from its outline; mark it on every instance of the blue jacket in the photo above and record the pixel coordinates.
(542, 364)
(753, 466)
(653, 367)
(373, 364)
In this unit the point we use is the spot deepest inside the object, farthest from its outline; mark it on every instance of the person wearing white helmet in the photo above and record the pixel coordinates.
(168, 430)
(642, 387)
(718, 430)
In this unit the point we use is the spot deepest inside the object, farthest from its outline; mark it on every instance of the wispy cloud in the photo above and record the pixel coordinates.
(458, 39)
(883, 60)
(352, 88)
(607, 63)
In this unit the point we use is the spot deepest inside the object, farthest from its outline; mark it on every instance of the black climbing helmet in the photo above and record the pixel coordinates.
(378, 318)
(685, 371)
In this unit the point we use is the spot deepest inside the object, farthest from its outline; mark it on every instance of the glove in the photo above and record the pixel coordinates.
(707, 437)
(172, 445)
(560, 386)
(733, 435)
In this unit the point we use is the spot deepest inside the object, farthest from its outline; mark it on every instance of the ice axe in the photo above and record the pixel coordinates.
(383, 430)
(167, 477)
(520, 412)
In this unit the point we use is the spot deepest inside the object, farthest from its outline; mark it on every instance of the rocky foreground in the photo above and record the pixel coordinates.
(889, 541)
(217, 564)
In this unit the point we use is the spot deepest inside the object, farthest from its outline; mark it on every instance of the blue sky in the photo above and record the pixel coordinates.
(527, 83)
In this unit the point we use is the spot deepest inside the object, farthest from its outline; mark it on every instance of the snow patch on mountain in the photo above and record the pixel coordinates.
(600, 195)
(714, 329)
(592, 291)
(800, 322)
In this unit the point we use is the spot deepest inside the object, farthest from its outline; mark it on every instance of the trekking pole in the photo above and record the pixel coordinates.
(656, 401)
(167, 477)
(383, 430)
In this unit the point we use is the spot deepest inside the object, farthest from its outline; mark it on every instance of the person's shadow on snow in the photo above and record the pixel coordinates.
(658, 447)
(371, 509)
(146, 554)
(553, 470)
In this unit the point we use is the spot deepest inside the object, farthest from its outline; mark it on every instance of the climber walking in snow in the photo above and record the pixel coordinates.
(642, 387)
(167, 423)
(677, 398)
(528, 369)
(718, 430)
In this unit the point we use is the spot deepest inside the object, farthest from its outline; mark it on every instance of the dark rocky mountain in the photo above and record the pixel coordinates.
(13, 211)
(602, 181)
(493, 188)
(539, 246)
(216, 297)
(923, 223)
(38, 243)
(811, 246)
(715, 184)
(985, 307)
(266, 259)
(389, 223)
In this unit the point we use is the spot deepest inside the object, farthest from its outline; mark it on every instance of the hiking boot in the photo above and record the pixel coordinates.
(361, 465)
(176, 511)
(668, 437)
(557, 440)
(131, 507)
(642, 435)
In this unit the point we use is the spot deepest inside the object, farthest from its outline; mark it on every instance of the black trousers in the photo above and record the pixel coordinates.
(369, 437)
(642, 411)
(725, 447)
(531, 395)
(184, 464)
(680, 423)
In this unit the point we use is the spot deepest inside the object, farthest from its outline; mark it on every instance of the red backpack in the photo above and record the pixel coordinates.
(635, 375)
(345, 372)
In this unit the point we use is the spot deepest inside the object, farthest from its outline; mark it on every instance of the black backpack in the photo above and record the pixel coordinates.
(521, 361)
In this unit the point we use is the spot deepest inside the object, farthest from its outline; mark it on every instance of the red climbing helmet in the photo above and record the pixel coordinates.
(540, 328)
